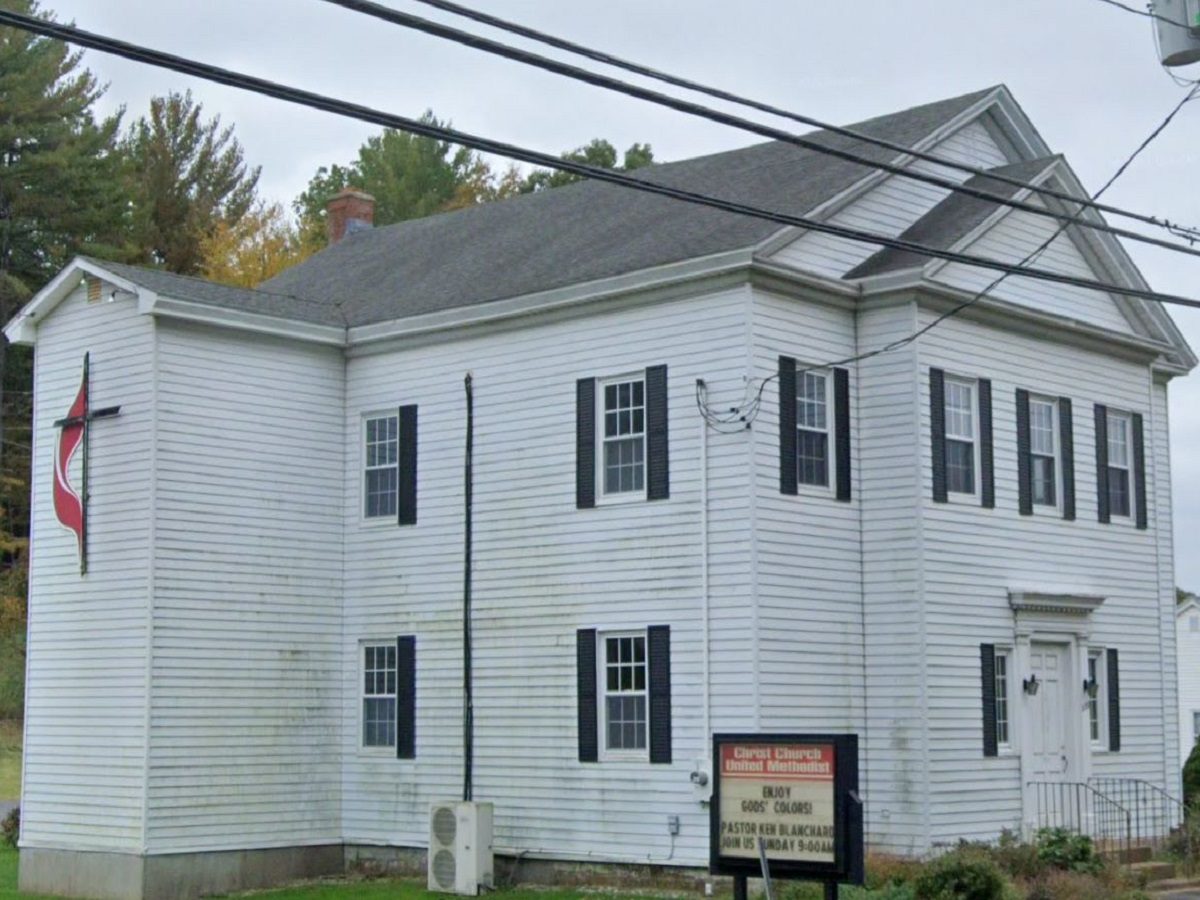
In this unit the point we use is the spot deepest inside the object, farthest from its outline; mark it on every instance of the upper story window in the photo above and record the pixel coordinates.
(961, 435)
(813, 429)
(1194, 624)
(1043, 444)
(624, 698)
(381, 476)
(623, 437)
(1120, 464)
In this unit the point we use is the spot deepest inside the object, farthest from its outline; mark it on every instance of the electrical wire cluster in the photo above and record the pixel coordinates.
(744, 414)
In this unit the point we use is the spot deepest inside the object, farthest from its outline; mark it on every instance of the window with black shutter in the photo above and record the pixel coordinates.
(388, 683)
(624, 694)
(814, 429)
(622, 431)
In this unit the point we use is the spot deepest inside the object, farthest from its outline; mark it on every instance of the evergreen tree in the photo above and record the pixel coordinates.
(60, 195)
(599, 153)
(188, 177)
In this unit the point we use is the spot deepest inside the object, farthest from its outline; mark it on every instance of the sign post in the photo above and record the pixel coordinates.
(786, 806)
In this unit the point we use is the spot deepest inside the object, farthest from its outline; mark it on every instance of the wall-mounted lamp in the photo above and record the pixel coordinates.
(1091, 688)
(1031, 685)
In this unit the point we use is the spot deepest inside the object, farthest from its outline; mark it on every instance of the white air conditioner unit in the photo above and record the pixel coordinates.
(460, 848)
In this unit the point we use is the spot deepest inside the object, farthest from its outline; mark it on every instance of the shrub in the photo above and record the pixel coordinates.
(11, 827)
(1059, 849)
(885, 871)
(1191, 778)
(963, 874)
(1065, 885)
(1017, 858)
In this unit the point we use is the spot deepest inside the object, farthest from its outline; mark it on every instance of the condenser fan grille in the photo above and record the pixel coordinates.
(445, 826)
(443, 868)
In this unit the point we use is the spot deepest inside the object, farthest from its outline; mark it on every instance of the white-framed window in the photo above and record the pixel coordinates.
(962, 436)
(1120, 464)
(378, 695)
(1194, 624)
(814, 429)
(1195, 725)
(381, 465)
(1097, 706)
(1043, 448)
(1003, 720)
(622, 451)
(624, 697)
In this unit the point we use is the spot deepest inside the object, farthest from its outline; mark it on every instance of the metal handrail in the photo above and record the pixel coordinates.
(1157, 814)
(1072, 813)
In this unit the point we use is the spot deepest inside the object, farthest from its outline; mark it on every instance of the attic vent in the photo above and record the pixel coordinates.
(93, 289)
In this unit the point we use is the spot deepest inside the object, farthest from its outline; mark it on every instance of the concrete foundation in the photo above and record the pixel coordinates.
(173, 876)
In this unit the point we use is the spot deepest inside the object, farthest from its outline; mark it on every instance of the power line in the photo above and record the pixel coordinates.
(344, 108)
(745, 416)
(1149, 14)
(445, 32)
(677, 81)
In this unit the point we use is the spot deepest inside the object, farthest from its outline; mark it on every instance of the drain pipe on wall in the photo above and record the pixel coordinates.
(468, 702)
(704, 589)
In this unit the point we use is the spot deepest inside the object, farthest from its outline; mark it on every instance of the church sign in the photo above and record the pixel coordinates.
(791, 799)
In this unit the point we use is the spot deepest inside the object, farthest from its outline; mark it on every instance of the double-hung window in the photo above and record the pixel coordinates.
(961, 436)
(1120, 481)
(1195, 726)
(813, 429)
(1043, 445)
(1002, 713)
(623, 437)
(624, 699)
(381, 475)
(379, 695)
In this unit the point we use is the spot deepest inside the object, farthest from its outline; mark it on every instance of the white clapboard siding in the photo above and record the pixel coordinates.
(85, 739)
(892, 206)
(807, 577)
(541, 570)
(894, 745)
(973, 557)
(1158, 460)
(245, 706)
(1011, 240)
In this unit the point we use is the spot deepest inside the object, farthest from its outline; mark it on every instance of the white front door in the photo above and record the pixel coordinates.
(1051, 733)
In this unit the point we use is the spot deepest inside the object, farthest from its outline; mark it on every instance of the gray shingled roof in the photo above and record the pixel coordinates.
(952, 219)
(197, 290)
(564, 236)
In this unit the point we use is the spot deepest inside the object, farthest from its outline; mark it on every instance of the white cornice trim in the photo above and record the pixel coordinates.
(1045, 603)
(22, 328)
(171, 308)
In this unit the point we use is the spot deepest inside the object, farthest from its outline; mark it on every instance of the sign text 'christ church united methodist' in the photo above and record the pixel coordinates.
(791, 799)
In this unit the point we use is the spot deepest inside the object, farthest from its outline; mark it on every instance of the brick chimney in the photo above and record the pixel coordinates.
(347, 212)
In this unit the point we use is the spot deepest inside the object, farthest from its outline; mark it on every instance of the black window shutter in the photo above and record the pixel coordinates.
(1024, 456)
(937, 431)
(406, 697)
(406, 499)
(1139, 470)
(1102, 512)
(585, 443)
(788, 475)
(658, 476)
(987, 665)
(987, 468)
(1066, 440)
(658, 652)
(841, 425)
(1113, 677)
(585, 664)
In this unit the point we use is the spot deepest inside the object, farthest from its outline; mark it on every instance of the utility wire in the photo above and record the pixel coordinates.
(1149, 14)
(344, 108)
(496, 48)
(677, 81)
(744, 417)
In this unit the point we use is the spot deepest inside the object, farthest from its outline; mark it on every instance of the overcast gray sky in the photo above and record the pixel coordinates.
(1086, 73)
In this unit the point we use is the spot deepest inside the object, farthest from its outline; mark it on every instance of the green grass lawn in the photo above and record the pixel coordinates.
(10, 759)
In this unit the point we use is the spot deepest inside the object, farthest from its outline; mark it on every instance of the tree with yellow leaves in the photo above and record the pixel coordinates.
(258, 246)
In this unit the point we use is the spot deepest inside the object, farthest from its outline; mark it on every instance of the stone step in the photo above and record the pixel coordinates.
(1154, 872)
(1132, 855)
(1175, 885)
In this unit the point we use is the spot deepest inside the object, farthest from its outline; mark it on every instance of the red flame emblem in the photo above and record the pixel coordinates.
(68, 505)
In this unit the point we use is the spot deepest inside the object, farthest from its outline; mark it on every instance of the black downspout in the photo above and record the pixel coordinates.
(468, 706)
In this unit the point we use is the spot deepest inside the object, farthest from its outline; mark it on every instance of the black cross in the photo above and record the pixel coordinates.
(85, 420)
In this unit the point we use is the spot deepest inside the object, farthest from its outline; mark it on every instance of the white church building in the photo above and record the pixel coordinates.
(248, 610)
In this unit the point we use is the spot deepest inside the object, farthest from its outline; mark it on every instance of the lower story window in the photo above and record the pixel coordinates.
(1095, 705)
(1196, 725)
(379, 695)
(623, 692)
(1002, 698)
